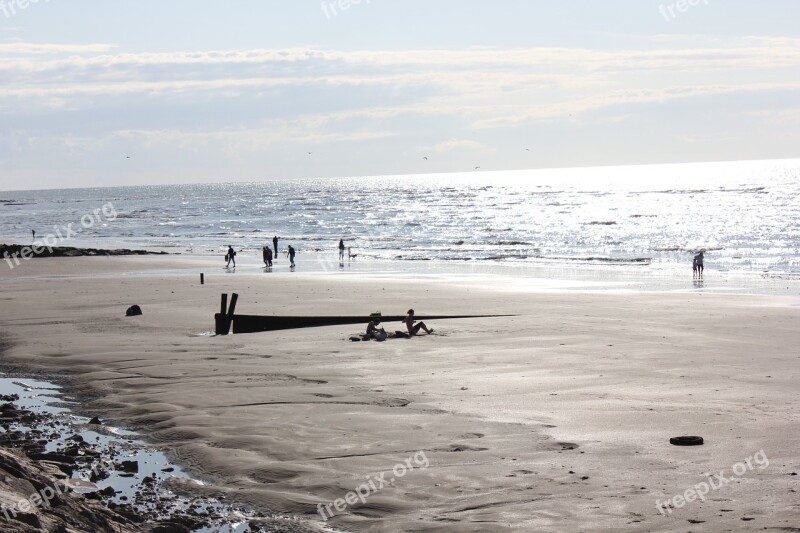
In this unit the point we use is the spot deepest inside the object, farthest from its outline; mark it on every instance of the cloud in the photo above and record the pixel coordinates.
(23, 48)
(93, 98)
(455, 145)
(511, 85)
(752, 52)
(517, 115)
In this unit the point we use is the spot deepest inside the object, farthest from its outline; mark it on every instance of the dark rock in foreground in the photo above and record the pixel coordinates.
(23, 480)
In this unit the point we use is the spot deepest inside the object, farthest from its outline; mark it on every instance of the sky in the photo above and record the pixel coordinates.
(101, 93)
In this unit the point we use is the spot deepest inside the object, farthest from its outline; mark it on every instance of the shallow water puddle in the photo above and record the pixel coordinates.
(112, 459)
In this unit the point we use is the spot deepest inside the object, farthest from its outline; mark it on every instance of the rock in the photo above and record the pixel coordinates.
(53, 457)
(169, 527)
(72, 451)
(30, 519)
(128, 466)
(95, 421)
(133, 310)
(98, 474)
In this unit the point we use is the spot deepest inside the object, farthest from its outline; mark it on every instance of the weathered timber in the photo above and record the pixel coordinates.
(257, 323)
(223, 319)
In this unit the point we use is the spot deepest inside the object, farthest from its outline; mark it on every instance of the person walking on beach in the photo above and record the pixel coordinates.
(698, 261)
(275, 245)
(268, 253)
(291, 256)
(414, 329)
(230, 257)
(341, 250)
(33, 233)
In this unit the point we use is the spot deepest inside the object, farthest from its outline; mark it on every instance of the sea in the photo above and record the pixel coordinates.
(744, 215)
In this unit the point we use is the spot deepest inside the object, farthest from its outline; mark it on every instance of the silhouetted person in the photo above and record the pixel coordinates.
(699, 262)
(374, 332)
(414, 329)
(33, 234)
(275, 245)
(230, 257)
(291, 255)
(268, 251)
(341, 249)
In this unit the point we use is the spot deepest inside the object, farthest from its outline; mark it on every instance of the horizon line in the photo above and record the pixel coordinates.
(421, 174)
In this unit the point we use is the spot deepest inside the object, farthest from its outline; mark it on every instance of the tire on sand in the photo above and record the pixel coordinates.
(686, 441)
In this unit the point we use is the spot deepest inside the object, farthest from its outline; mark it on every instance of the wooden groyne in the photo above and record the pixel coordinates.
(258, 323)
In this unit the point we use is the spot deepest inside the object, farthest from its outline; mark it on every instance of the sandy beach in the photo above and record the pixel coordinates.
(555, 419)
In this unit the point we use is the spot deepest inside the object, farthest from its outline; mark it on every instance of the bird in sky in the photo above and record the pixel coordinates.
(425, 158)
(476, 168)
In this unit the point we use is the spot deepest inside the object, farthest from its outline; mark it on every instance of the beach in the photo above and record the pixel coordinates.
(558, 418)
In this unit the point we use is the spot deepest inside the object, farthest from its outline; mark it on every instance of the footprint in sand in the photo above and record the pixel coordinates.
(460, 448)
(392, 402)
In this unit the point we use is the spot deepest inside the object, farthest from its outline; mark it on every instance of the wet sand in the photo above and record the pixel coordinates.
(557, 419)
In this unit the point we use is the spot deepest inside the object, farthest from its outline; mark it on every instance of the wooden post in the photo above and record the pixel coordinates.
(221, 322)
(232, 308)
(202, 280)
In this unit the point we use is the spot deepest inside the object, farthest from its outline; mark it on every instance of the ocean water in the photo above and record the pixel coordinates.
(746, 215)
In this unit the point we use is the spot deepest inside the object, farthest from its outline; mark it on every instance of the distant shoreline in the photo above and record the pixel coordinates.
(518, 275)
(19, 251)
